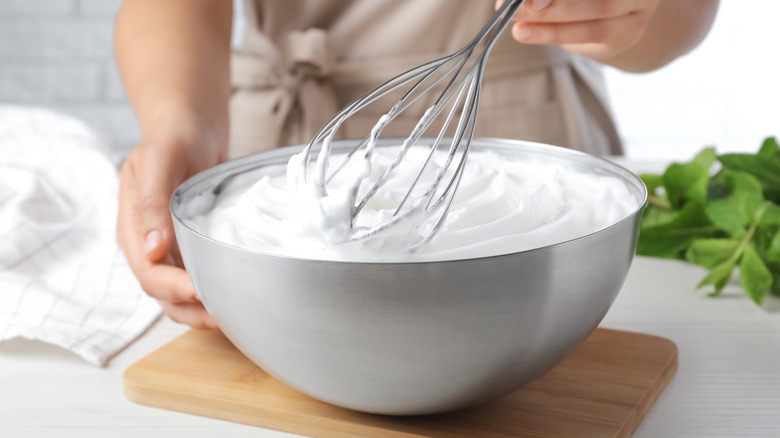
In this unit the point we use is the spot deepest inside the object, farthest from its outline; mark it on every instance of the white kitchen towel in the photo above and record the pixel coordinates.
(63, 277)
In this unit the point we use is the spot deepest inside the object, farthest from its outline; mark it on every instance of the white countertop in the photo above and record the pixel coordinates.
(727, 385)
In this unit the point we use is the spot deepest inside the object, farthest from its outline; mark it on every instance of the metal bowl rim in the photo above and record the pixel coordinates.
(261, 158)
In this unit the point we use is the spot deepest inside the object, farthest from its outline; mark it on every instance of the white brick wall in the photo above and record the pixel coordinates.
(36, 7)
(59, 54)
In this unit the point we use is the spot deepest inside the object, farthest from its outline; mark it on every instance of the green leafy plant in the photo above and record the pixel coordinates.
(719, 212)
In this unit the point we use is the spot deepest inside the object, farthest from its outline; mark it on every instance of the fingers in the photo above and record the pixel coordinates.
(145, 232)
(168, 283)
(569, 11)
(599, 29)
(154, 179)
(533, 4)
(143, 224)
(161, 277)
(194, 315)
(621, 31)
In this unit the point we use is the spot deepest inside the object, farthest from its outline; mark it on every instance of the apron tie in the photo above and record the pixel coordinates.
(286, 95)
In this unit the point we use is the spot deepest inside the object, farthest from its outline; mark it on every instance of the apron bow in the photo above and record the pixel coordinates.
(287, 92)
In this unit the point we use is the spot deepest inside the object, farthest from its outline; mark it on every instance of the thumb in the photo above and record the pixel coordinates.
(156, 243)
(155, 186)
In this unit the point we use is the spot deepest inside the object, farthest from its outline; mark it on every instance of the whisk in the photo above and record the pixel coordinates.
(461, 72)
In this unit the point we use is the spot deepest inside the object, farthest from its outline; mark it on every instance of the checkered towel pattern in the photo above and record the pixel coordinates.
(63, 277)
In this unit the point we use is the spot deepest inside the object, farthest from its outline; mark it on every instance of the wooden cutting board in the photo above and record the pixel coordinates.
(603, 389)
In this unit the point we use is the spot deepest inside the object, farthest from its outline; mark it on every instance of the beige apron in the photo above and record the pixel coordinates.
(299, 61)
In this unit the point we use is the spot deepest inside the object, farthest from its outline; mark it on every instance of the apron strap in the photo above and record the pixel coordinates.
(291, 87)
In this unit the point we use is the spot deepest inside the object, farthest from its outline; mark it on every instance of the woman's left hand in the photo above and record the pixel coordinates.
(598, 29)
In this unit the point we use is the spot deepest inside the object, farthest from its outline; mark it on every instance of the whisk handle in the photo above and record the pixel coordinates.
(511, 6)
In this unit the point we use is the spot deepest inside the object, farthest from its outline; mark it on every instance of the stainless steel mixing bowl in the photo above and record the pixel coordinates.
(408, 338)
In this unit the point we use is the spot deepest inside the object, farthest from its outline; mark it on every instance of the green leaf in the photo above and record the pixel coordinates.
(706, 158)
(771, 216)
(735, 211)
(718, 277)
(773, 251)
(720, 221)
(652, 181)
(726, 216)
(762, 240)
(754, 275)
(769, 149)
(686, 182)
(655, 216)
(766, 170)
(710, 253)
(672, 238)
(775, 288)
(718, 186)
(655, 197)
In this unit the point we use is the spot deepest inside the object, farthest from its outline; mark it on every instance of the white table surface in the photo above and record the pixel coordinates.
(727, 384)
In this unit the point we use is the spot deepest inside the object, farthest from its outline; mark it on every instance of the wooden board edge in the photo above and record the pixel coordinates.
(225, 410)
(638, 414)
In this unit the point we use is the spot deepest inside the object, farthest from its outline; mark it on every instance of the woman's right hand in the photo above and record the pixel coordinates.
(172, 150)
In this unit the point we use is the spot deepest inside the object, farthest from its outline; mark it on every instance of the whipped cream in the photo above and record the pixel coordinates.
(503, 205)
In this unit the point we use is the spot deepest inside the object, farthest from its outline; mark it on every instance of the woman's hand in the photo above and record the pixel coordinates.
(173, 150)
(593, 28)
(174, 59)
(634, 35)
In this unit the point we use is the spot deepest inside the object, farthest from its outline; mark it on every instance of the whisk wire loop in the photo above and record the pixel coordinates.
(461, 75)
